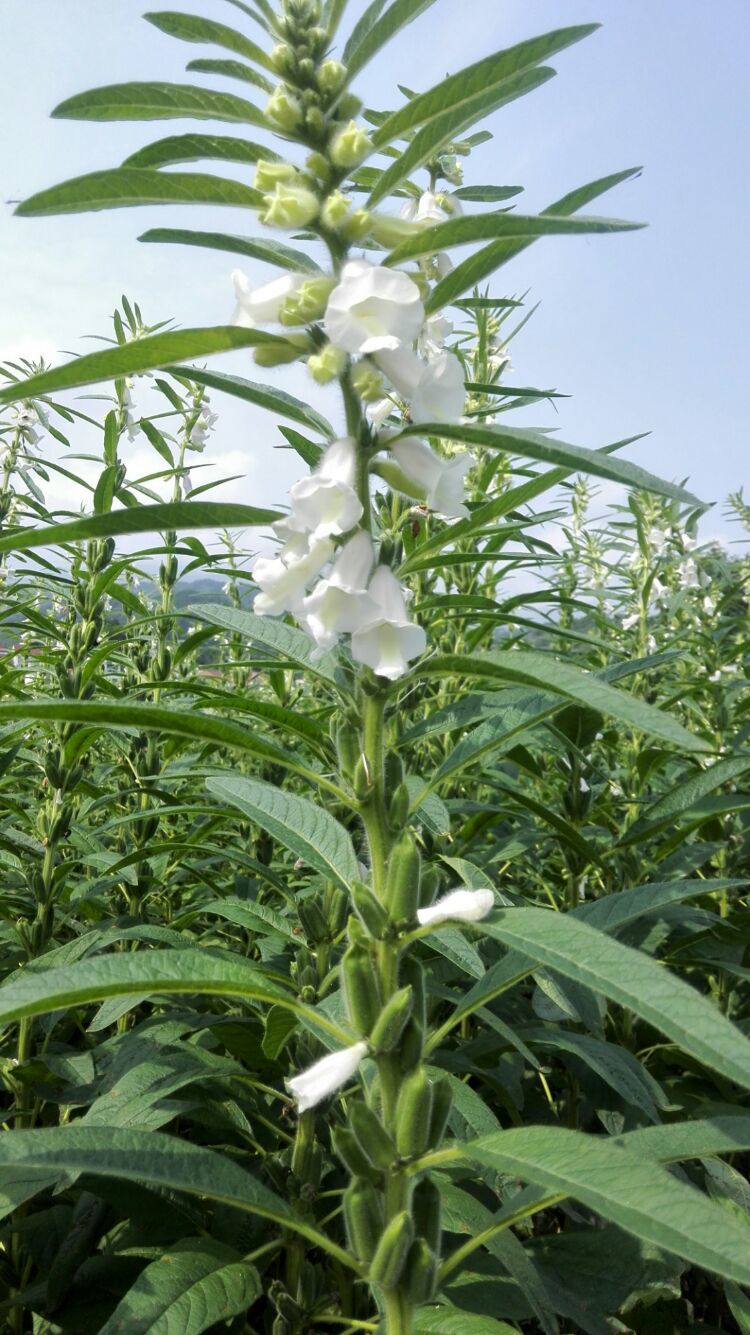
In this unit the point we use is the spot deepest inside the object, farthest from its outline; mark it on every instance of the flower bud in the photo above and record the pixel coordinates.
(363, 1212)
(308, 303)
(315, 122)
(319, 165)
(290, 206)
(331, 76)
(336, 210)
(390, 231)
(402, 879)
(367, 382)
(413, 1112)
(349, 105)
(357, 225)
(350, 146)
(284, 110)
(267, 173)
(282, 58)
(392, 1021)
(305, 69)
(392, 1250)
(280, 352)
(326, 365)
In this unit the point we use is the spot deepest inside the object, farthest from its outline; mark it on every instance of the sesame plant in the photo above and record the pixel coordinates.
(373, 940)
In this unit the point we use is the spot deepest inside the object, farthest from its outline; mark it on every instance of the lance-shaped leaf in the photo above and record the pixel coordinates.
(396, 17)
(538, 669)
(195, 1284)
(265, 396)
(632, 979)
(274, 636)
(191, 28)
(131, 187)
(270, 252)
(156, 1160)
(197, 148)
(143, 354)
(532, 444)
(157, 101)
(149, 973)
(231, 69)
(451, 1320)
(307, 830)
(485, 261)
(636, 1194)
(139, 519)
(482, 226)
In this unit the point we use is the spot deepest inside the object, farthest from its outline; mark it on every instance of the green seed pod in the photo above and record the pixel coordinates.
(359, 984)
(392, 1250)
(352, 1156)
(442, 1102)
(392, 1020)
(402, 880)
(413, 1115)
(421, 1272)
(371, 1136)
(313, 922)
(393, 770)
(369, 909)
(411, 1045)
(398, 808)
(348, 746)
(429, 886)
(426, 1210)
(362, 780)
(357, 934)
(412, 972)
(335, 908)
(363, 1212)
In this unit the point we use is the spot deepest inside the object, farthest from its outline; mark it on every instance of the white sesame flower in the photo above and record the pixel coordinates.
(688, 574)
(341, 604)
(261, 305)
(432, 339)
(458, 906)
(390, 640)
(650, 645)
(709, 605)
(424, 210)
(373, 308)
(440, 481)
(326, 1076)
(434, 388)
(325, 503)
(629, 622)
(283, 580)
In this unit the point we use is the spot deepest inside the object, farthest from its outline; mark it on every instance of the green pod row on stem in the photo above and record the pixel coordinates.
(361, 989)
(363, 1212)
(426, 1209)
(413, 1114)
(353, 1157)
(392, 1020)
(402, 882)
(371, 1136)
(392, 1251)
(369, 909)
(420, 1277)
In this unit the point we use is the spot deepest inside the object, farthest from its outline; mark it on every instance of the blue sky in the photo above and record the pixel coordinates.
(646, 331)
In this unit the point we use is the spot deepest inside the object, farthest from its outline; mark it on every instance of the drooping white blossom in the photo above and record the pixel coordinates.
(435, 331)
(285, 578)
(261, 305)
(340, 603)
(373, 308)
(325, 503)
(326, 1076)
(440, 481)
(458, 906)
(434, 388)
(390, 641)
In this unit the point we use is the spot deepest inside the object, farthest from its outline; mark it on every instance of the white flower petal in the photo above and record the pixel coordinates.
(458, 906)
(373, 308)
(326, 1076)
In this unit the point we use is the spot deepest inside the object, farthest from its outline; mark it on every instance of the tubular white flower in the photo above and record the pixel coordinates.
(341, 604)
(284, 579)
(325, 503)
(458, 906)
(373, 308)
(432, 339)
(441, 481)
(435, 388)
(261, 305)
(326, 1076)
(389, 642)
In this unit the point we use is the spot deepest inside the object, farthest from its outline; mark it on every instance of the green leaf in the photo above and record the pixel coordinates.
(487, 194)
(142, 519)
(157, 101)
(481, 226)
(130, 187)
(143, 354)
(486, 261)
(197, 148)
(630, 978)
(619, 1185)
(194, 1285)
(148, 973)
(307, 830)
(614, 911)
(616, 1066)
(157, 1160)
(396, 17)
(542, 670)
(682, 796)
(691, 1140)
(231, 69)
(191, 28)
(441, 129)
(278, 639)
(270, 252)
(452, 1321)
(464, 86)
(265, 396)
